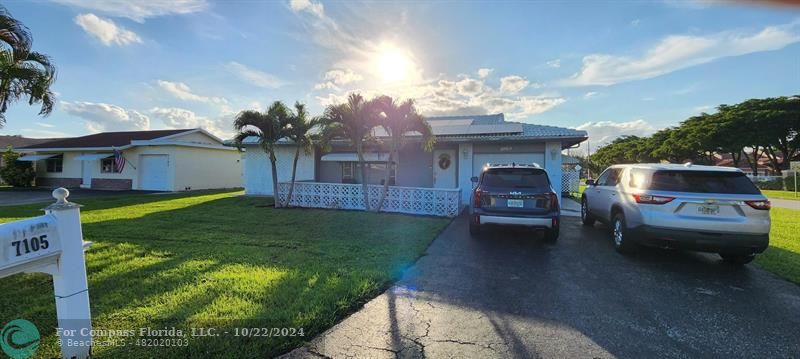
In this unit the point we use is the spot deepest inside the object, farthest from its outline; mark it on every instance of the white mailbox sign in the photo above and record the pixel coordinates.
(53, 244)
(28, 244)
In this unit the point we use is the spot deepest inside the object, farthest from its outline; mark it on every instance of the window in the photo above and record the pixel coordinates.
(347, 172)
(55, 164)
(601, 181)
(701, 182)
(613, 176)
(107, 165)
(516, 178)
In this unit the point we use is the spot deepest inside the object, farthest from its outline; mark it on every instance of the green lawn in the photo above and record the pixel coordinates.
(783, 255)
(780, 194)
(217, 259)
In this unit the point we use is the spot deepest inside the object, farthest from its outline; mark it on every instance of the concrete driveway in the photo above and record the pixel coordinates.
(509, 295)
(785, 203)
(17, 197)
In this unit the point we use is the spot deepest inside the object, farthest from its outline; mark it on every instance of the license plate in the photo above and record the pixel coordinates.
(515, 203)
(708, 210)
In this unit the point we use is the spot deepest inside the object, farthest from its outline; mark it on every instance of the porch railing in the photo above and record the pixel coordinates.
(412, 200)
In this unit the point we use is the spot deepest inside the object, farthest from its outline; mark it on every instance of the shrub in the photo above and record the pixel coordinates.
(788, 181)
(776, 184)
(16, 173)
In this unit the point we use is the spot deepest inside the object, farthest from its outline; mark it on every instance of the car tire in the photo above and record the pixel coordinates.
(619, 233)
(586, 217)
(474, 229)
(551, 235)
(738, 259)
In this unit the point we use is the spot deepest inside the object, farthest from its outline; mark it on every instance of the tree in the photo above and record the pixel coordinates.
(16, 173)
(400, 120)
(625, 149)
(269, 127)
(353, 121)
(23, 73)
(299, 132)
(777, 120)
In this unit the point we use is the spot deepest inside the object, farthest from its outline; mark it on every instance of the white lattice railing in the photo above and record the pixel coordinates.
(570, 180)
(412, 200)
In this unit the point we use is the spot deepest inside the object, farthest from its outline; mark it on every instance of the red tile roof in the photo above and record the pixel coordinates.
(106, 139)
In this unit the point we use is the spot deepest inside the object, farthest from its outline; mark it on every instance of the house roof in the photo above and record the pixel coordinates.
(106, 139)
(19, 141)
(480, 128)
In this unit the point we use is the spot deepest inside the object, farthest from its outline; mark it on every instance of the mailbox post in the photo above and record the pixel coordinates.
(70, 284)
(53, 244)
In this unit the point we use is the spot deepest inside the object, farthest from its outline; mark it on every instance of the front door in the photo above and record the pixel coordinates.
(86, 174)
(444, 168)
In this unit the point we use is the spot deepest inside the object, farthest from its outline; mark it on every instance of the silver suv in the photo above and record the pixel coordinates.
(702, 208)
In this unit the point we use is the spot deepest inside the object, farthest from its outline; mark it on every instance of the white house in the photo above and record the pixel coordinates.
(464, 144)
(161, 160)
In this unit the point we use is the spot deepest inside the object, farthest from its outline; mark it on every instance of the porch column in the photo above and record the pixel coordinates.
(552, 163)
(465, 171)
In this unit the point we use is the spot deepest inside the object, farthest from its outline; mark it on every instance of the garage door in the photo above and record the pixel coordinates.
(154, 175)
(481, 159)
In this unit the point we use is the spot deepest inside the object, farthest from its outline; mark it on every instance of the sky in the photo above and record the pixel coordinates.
(611, 68)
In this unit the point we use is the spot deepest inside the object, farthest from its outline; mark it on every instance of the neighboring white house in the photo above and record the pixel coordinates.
(464, 144)
(160, 160)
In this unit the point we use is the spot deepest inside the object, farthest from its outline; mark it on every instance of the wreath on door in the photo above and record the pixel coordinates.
(444, 161)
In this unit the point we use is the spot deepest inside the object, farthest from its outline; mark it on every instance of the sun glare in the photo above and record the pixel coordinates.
(392, 64)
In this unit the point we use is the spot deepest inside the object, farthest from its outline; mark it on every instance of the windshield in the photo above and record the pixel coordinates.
(516, 178)
(694, 181)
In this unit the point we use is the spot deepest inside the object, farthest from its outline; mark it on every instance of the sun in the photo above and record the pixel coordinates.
(393, 64)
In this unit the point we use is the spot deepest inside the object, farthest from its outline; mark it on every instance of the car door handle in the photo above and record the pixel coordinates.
(613, 193)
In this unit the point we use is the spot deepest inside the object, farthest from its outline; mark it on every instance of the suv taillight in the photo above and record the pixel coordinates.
(651, 199)
(553, 200)
(477, 197)
(763, 204)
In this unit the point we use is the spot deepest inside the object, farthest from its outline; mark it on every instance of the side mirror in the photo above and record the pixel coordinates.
(474, 179)
(590, 182)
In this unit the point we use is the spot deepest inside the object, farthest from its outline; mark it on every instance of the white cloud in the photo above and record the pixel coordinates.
(635, 22)
(484, 72)
(603, 132)
(182, 91)
(106, 30)
(590, 94)
(513, 84)
(138, 10)
(181, 118)
(47, 125)
(101, 117)
(315, 8)
(681, 51)
(338, 77)
(253, 76)
(554, 63)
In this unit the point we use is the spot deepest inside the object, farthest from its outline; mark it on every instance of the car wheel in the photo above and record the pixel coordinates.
(586, 218)
(551, 235)
(738, 258)
(622, 241)
(474, 228)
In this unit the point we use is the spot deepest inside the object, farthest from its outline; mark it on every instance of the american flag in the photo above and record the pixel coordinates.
(119, 161)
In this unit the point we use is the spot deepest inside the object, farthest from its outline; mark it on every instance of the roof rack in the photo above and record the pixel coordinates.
(514, 164)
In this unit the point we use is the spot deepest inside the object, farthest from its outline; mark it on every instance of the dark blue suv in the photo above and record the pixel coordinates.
(517, 195)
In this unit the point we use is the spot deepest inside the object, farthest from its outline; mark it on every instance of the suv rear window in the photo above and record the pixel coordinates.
(516, 178)
(694, 181)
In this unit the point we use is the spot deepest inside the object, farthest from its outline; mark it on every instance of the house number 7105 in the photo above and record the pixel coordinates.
(34, 244)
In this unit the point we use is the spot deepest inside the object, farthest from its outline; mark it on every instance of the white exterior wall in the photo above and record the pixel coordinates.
(552, 163)
(258, 173)
(70, 168)
(465, 172)
(202, 168)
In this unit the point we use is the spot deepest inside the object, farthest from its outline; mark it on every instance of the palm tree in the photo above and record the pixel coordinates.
(354, 121)
(299, 132)
(400, 120)
(22, 72)
(269, 127)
